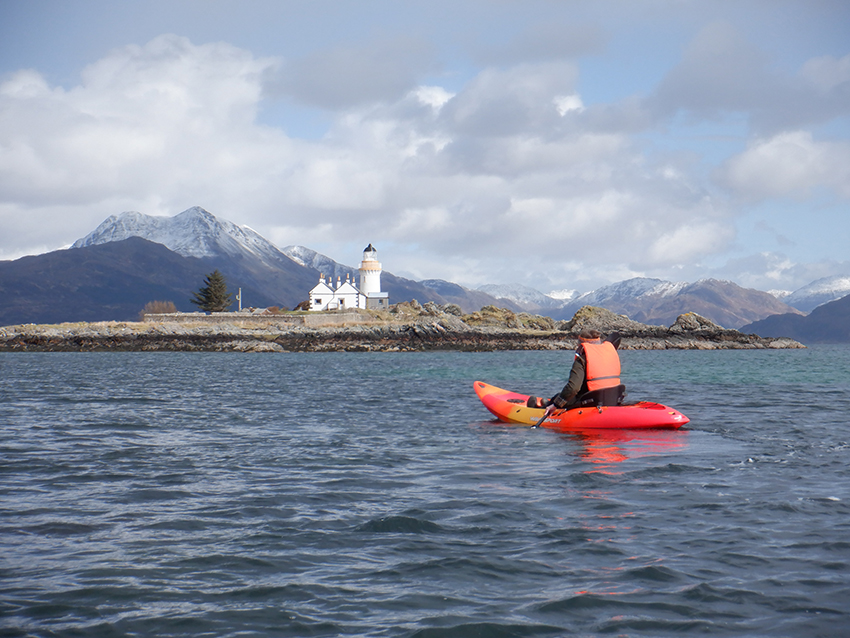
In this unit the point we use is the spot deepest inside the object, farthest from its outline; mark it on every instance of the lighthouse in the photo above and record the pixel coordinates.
(370, 280)
(370, 271)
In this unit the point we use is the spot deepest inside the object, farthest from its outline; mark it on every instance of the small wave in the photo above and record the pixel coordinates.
(578, 603)
(488, 629)
(741, 561)
(127, 424)
(593, 602)
(839, 546)
(565, 536)
(225, 563)
(152, 494)
(657, 627)
(651, 618)
(704, 593)
(652, 573)
(179, 525)
(400, 525)
(59, 528)
(289, 592)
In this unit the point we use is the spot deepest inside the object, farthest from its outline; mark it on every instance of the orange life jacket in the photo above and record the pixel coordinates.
(602, 365)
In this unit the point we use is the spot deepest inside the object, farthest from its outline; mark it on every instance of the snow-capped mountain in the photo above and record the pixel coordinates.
(819, 292)
(655, 301)
(779, 294)
(628, 290)
(524, 296)
(247, 259)
(565, 295)
(193, 233)
(325, 265)
(622, 291)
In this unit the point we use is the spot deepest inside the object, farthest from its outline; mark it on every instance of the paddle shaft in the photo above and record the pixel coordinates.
(540, 422)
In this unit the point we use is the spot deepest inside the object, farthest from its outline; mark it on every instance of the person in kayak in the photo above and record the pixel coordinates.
(596, 366)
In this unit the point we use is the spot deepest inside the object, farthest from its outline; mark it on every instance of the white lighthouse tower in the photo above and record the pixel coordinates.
(370, 271)
(370, 280)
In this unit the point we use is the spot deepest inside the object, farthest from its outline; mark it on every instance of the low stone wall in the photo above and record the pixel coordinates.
(313, 319)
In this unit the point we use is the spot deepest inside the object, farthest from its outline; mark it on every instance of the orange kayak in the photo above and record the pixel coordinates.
(510, 407)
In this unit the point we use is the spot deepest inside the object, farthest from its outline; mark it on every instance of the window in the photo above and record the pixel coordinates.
(317, 302)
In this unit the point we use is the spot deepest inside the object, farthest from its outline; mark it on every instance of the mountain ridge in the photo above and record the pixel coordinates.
(660, 302)
(828, 323)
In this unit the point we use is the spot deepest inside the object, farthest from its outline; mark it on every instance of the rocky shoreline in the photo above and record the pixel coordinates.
(407, 327)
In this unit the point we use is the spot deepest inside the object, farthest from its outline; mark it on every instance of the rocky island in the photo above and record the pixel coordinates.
(405, 327)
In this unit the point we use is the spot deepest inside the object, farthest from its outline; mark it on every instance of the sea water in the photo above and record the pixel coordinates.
(358, 494)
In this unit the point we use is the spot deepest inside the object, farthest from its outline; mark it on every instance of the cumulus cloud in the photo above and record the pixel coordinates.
(166, 117)
(788, 164)
(519, 99)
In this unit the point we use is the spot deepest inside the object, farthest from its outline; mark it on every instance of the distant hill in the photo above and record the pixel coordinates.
(468, 300)
(111, 281)
(828, 323)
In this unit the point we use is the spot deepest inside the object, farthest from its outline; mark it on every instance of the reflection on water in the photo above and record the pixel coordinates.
(608, 447)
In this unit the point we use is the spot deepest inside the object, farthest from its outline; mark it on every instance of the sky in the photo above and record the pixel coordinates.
(558, 144)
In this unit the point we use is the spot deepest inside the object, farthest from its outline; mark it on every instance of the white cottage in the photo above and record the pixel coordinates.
(327, 296)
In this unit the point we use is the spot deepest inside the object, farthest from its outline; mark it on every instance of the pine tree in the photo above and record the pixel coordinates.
(214, 296)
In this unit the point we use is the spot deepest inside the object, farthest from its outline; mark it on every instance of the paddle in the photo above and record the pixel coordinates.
(543, 418)
(540, 422)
